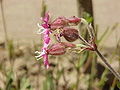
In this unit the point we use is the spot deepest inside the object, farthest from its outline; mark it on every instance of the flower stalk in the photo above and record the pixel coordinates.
(93, 47)
(116, 74)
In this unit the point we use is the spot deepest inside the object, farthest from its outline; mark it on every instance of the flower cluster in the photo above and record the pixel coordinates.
(64, 28)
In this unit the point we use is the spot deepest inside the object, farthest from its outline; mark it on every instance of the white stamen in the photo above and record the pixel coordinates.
(38, 25)
(41, 29)
(38, 58)
(47, 66)
(40, 54)
(37, 52)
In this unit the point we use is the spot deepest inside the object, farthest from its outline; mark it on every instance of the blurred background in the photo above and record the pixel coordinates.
(19, 69)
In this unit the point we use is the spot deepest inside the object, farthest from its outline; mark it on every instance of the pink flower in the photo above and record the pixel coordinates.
(45, 30)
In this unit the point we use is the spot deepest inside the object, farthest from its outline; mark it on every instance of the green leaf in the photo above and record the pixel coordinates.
(87, 17)
(24, 85)
(9, 85)
(118, 85)
(45, 86)
(103, 35)
(83, 58)
(72, 86)
(80, 45)
(107, 33)
(59, 73)
(48, 84)
(103, 78)
(10, 48)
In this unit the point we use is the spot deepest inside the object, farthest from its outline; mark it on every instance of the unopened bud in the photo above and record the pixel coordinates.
(59, 48)
(74, 20)
(70, 34)
(67, 45)
(60, 22)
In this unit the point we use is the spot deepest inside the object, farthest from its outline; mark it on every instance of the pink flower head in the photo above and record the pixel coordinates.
(45, 30)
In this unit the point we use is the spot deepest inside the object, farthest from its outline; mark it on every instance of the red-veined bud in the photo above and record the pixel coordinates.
(70, 34)
(60, 22)
(74, 20)
(68, 45)
(59, 48)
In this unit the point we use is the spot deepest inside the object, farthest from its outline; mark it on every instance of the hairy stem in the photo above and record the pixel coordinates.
(84, 41)
(116, 74)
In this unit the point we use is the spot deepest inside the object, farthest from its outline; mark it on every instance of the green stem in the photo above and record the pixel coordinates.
(4, 22)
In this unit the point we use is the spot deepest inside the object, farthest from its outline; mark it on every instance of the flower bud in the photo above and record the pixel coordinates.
(60, 22)
(59, 48)
(70, 34)
(67, 45)
(74, 20)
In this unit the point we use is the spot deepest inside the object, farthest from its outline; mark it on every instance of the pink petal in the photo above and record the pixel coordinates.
(46, 63)
(46, 18)
(46, 40)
